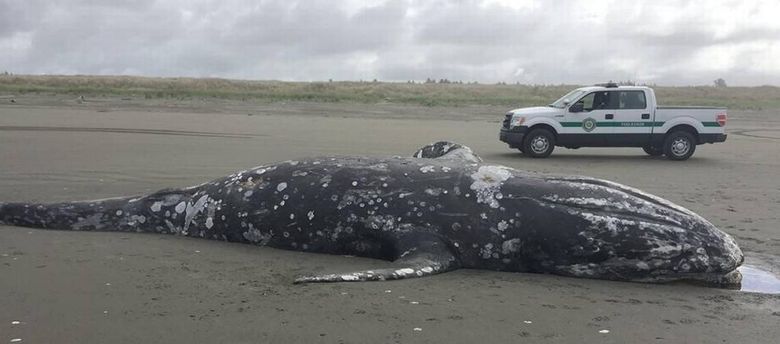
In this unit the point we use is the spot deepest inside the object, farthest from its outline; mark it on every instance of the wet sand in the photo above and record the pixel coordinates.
(83, 287)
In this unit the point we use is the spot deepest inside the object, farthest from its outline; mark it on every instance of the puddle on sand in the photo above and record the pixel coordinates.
(756, 280)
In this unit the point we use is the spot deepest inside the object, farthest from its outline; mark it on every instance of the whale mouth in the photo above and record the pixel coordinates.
(730, 280)
(746, 278)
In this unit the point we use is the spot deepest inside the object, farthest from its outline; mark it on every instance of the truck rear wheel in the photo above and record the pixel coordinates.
(539, 143)
(652, 150)
(679, 145)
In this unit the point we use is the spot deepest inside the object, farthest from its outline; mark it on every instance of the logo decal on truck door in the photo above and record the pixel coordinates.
(589, 124)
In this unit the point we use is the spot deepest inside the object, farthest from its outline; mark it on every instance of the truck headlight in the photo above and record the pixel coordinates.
(516, 121)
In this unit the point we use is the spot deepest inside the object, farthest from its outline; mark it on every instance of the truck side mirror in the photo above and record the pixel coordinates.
(576, 107)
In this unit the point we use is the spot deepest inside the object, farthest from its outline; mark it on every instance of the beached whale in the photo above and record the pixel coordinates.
(440, 210)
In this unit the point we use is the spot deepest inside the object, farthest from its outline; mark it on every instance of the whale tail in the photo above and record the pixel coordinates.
(447, 150)
(113, 214)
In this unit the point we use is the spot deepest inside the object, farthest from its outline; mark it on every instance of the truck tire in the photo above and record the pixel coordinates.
(653, 150)
(539, 143)
(679, 145)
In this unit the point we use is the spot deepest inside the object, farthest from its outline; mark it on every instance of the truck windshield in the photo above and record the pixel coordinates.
(567, 99)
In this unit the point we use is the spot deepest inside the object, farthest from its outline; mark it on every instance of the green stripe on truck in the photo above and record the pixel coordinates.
(629, 124)
(614, 124)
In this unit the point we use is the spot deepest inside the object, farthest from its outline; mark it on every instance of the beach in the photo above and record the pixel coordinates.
(78, 287)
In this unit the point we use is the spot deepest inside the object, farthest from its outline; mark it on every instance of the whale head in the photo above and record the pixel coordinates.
(600, 229)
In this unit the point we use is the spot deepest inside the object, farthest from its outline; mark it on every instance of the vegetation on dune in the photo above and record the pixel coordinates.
(430, 94)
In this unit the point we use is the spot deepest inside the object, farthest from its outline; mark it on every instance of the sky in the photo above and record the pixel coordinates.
(532, 42)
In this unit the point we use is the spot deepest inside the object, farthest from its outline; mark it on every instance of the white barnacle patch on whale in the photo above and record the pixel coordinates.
(630, 190)
(427, 169)
(262, 169)
(156, 206)
(463, 153)
(487, 181)
(487, 251)
(635, 206)
(435, 191)
(666, 249)
(350, 277)
(281, 186)
(133, 220)
(404, 271)
(171, 227)
(310, 215)
(256, 236)
(180, 207)
(610, 223)
(379, 167)
(95, 221)
(511, 246)
(639, 200)
(192, 210)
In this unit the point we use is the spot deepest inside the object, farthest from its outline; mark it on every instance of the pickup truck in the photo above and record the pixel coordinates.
(608, 115)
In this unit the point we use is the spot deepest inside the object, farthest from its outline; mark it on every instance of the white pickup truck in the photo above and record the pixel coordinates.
(608, 115)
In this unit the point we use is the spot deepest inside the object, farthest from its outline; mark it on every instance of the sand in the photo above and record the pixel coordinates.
(83, 287)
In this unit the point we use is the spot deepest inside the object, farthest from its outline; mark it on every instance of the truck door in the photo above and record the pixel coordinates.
(632, 119)
(586, 123)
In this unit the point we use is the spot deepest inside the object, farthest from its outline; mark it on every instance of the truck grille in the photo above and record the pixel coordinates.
(508, 118)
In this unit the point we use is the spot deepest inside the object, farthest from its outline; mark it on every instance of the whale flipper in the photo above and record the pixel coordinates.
(447, 150)
(426, 257)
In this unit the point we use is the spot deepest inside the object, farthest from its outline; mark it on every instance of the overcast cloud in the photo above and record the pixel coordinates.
(664, 42)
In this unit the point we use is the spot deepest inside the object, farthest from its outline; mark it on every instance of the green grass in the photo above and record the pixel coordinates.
(741, 98)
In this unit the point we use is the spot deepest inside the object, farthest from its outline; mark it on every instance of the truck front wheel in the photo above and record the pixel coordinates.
(679, 145)
(653, 150)
(539, 143)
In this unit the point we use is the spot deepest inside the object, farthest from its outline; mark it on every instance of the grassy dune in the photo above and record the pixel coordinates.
(742, 98)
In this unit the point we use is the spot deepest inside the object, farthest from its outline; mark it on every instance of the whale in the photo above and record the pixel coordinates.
(438, 210)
